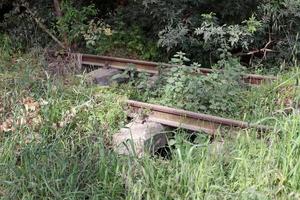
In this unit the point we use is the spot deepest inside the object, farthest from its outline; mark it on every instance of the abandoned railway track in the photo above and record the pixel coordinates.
(188, 120)
(153, 67)
(171, 116)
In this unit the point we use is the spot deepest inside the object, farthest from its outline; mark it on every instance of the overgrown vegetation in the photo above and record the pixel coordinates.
(222, 93)
(217, 93)
(56, 128)
(55, 143)
(259, 33)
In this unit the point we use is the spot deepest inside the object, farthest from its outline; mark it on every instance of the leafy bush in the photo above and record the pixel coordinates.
(281, 22)
(266, 30)
(121, 41)
(174, 21)
(180, 86)
(225, 38)
(74, 21)
(20, 22)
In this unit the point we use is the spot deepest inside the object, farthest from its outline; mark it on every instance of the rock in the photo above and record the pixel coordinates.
(103, 76)
(138, 138)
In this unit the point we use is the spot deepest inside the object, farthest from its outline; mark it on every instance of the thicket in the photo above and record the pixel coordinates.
(258, 33)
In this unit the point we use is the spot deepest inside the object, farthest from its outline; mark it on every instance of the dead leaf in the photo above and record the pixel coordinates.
(2, 192)
(30, 104)
(67, 118)
(37, 120)
(7, 126)
(22, 121)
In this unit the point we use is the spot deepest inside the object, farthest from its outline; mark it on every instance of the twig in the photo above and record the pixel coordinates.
(263, 50)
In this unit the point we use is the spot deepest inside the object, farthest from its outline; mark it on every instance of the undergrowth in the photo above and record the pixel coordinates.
(55, 144)
(221, 93)
(183, 87)
(122, 41)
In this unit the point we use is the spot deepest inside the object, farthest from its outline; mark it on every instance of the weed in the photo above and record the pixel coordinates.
(58, 158)
(68, 156)
(217, 93)
(276, 99)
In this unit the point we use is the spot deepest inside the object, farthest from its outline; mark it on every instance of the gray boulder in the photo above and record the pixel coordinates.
(105, 76)
(137, 138)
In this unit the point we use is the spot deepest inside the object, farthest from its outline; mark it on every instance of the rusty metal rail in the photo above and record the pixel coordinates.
(188, 120)
(153, 67)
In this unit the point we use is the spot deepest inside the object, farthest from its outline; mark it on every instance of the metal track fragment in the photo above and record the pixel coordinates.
(188, 120)
(153, 67)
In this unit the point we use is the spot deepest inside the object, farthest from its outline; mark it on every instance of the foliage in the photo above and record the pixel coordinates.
(121, 41)
(260, 32)
(267, 29)
(94, 33)
(225, 38)
(217, 93)
(188, 9)
(176, 20)
(171, 37)
(281, 24)
(74, 21)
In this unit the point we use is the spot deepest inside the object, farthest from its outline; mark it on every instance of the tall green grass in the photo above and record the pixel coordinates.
(272, 101)
(75, 161)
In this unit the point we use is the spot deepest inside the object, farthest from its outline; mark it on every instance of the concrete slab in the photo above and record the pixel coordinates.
(138, 138)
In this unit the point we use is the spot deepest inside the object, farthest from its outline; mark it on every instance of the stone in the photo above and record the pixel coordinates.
(137, 138)
(103, 76)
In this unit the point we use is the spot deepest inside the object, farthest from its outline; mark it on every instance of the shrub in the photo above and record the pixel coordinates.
(120, 41)
(217, 93)
(74, 21)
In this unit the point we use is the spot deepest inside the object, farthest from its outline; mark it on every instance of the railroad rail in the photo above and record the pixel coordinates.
(153, 67)
(188, 120)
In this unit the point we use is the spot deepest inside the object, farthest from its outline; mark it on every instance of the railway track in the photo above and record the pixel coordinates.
(170, 116)
(186, 119)
(153, 67)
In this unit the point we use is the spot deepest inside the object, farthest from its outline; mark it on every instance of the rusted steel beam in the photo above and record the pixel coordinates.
(153, 67)
(189, 120)
(255, 79)
(120, 63)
